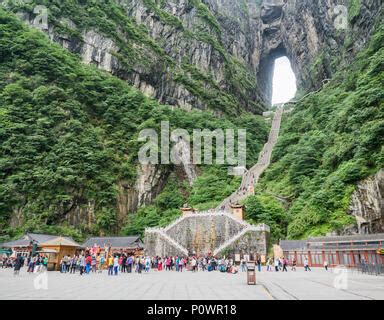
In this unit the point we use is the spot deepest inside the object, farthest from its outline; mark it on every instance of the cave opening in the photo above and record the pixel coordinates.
(276, 78)
(284, 81)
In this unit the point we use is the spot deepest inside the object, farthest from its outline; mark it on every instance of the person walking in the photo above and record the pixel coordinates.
(285, 263)
(306, 265)
(18, 264)
(326, 265)
(141, 264)
(110, 265)
(82, 264)
(31, 265)
(258, 261)
(168, 264)
(204, 264)
(294, 263)
(116, 265)
(45, 263)
(130, 263)
(101, 263)
(193, 264)
(73, 263)
(93, 263)
(88, 263)
(121, 263)
(147, 264)
(243, 265)
(38, 264)
(177, 263)
(277, 265)
(181, 264)
(124, 264)
(160, 264)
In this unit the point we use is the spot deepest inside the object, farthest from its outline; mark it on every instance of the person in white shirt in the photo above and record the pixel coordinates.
(116, 265)
(193, 264)
(306, 265)
(276, 265)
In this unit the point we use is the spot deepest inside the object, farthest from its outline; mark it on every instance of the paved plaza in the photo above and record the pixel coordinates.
(164, 285)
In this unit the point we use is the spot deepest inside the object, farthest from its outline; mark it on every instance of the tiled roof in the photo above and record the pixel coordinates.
(356, 237)
(39, 238)
(60, 241)
(114, 242)
(26, 239)
(24, 242)
(287, 245)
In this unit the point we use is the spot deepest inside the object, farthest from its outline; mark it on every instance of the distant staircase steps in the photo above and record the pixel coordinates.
(251, 177)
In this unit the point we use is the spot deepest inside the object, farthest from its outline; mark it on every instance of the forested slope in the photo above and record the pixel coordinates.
(68, 134)
(331, 141)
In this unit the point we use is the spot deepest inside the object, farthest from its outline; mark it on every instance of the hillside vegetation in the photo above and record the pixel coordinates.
(332, 140)
(137, 49)
(68, 135)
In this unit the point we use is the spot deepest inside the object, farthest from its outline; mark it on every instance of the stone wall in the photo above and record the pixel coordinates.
(156, 245)
(253, 32)
(367, 204)
(216, 233)
(202, 234)
(252, 243)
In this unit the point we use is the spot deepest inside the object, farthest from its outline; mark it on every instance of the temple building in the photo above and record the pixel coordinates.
(111, 245)
(349, 251)
(53, 246)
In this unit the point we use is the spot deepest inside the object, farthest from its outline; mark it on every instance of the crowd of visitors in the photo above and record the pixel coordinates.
(34, 264)
(92, 261)
(281, 264)
(122, 263)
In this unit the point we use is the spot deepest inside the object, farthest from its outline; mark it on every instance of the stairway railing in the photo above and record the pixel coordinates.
(168, 238)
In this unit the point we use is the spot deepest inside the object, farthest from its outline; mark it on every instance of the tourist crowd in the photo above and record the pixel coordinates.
(122, 263)
(95, 262)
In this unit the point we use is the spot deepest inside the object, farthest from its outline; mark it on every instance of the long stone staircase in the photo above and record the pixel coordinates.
(251, 177)
(169, 233)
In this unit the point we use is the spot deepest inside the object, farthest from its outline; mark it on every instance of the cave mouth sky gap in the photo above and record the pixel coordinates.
(284, 81)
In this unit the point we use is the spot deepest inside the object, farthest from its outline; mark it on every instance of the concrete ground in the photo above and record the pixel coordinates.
(300, 285)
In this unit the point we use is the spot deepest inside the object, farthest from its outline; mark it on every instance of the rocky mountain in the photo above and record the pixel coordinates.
(210, 54)
(214, 56)
(367, 204)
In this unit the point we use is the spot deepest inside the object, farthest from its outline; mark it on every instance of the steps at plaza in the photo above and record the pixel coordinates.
(249, 228)
(160, 232)
(217, 229)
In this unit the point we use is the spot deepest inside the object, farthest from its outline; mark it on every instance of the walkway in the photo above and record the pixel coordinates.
(317, 284)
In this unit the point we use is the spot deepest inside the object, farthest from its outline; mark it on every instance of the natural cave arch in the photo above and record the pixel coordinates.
(266, 71)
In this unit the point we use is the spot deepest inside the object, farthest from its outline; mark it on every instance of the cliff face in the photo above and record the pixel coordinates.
(211, 54)
(181, 51)
(313, 35)
(367, 204)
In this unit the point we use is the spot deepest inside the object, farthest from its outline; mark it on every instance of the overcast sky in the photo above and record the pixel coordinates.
(284, 81)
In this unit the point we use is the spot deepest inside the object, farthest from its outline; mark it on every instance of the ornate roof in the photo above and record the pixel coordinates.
(114, 242)
(26, 239)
